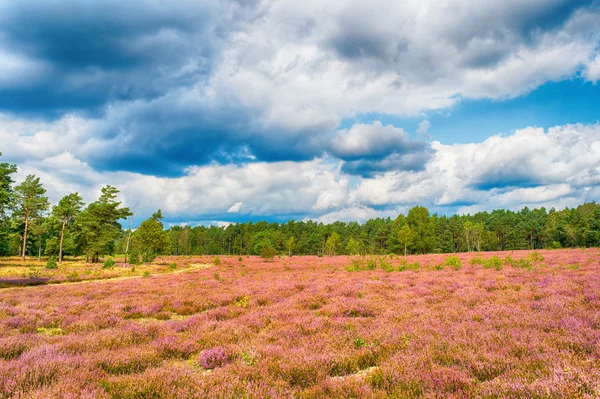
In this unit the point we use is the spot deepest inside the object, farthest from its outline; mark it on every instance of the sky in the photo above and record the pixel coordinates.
(235, 110)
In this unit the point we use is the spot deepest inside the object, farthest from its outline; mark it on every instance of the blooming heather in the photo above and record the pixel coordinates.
(314, 327)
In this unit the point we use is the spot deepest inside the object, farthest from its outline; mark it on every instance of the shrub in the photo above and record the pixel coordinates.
(146, 274)
(148, 257)
(213, 358)
(108, 263)
(454, 262)
(409, 266)
(267, 252)
(240, 259)
(493, 263)
(173, 266)
(216, 261)
(51, 263)
(385, 265)
(371, 264)
(477, 260)
(554, 245)
(250, 358)
(535, 256)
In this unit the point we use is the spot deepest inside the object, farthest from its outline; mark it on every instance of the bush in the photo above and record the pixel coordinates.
(240, 259)
(268, 252)
(409, 266)
(535, 256)
(108, 263)
(371, 264)
(51, 263)
(216, 261)
(385, 265)
(454, 262)
(213, 358)
(493, 263)
(148, 257)
(477, 260)
(173, 266)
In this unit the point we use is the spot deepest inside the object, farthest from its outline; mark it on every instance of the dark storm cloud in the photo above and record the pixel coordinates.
(95, 52)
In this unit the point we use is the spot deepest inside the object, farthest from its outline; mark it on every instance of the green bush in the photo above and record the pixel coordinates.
(477, 260)
(268, 252)
(173, 266)
(385, 265)
(216, 261)
(409, 266)
(371, 264)
(108, 263)
(535, 256)
(493, 263)
(51, 263)
(148, 257)
(454, 262)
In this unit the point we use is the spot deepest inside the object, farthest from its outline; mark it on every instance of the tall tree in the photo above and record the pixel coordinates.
(98, 225)
(6, 198)
(65, 211)
(405, 237)
(150, 238)
(31, 201)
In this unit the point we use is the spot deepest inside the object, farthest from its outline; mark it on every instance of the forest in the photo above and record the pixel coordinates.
(30, 226)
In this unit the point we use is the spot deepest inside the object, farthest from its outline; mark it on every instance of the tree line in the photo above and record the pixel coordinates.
(30, 226)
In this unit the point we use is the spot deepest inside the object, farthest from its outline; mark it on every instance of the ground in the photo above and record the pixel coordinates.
(493, 325)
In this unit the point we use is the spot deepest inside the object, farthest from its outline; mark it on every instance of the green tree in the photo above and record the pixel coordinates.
(423, 229)
(405, 237)
(333, 244)
(150, 238)
(6, 198)
(31, 201)
(98, 225)
(353, 247)
(65, 211)
(290, 245)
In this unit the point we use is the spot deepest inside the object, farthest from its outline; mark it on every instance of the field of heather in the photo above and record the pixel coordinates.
(494, 325)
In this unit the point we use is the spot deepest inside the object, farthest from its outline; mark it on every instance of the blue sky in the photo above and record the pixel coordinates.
(235, 110)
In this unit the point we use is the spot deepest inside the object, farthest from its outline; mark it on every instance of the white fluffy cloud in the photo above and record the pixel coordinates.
(532, 166)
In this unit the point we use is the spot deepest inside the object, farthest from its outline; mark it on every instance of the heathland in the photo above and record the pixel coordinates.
(522, 324)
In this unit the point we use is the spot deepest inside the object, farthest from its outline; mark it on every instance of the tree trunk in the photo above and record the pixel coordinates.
(40, 251)
(60, 247)
(25, 237)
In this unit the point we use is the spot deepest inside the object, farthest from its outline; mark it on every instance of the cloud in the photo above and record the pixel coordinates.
(235, 208)
(372, 148)
(162, 88)
(592, 71)
(423, 128)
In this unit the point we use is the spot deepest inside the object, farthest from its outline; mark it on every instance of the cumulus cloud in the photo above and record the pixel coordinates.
(195, 83)
(372, 148)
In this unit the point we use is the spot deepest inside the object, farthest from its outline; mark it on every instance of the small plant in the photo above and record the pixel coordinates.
(454, 262)
(535, 256)
(242, 301)
(51, 263)
(409, 266)
(493, 263)
(216, 261)
(73, 276)
(173, 266)
(371, 264)
(146, 274)
(249, 358)
(217, 277)
(385, 265)
(438, 267)
(109, 263)
(240, 259)
(359, 343)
